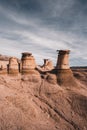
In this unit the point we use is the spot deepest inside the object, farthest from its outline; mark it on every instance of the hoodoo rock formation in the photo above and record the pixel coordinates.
(28, 64)
(63, 59)
(42, 97)
(13, 66)
(64, 73)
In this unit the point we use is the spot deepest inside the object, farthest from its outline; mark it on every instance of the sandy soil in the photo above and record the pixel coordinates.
(33, 103)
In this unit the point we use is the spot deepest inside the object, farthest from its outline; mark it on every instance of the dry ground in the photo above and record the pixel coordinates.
(33, 103)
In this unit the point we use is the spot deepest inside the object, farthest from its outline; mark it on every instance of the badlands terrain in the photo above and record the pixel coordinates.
(39, 102)
(31, 102)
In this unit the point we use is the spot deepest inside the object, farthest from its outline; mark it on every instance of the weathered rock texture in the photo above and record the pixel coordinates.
(38, 102)
(28, 102)
(4, 60)
(48, 65)
(13, 66)
(3, 67)
(28, 64)
(3, 70)
(64, 73)
(63, 59)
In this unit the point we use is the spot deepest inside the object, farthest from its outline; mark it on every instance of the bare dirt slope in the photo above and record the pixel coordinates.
(33, 103)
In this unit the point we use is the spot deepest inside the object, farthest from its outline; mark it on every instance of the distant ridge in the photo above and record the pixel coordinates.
(4, 57)
(78, 67)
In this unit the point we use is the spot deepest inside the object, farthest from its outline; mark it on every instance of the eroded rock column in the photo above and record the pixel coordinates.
(28, 63)
(13, 66)
(63, 59)
(64, 73)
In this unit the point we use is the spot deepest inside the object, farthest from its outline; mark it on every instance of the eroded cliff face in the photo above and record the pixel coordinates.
(29, 102)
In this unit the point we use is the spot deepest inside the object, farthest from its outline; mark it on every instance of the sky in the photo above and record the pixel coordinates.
(44, 26)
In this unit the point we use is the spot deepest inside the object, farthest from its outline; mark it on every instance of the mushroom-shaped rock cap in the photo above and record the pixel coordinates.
(62, 52)
(26, 54)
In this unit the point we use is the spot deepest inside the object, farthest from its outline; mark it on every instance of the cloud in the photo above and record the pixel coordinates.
(42, 27)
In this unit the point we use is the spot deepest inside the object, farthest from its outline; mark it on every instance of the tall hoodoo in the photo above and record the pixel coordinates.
(27, 62)
(63, 59)
(13, 66)
(64, 73)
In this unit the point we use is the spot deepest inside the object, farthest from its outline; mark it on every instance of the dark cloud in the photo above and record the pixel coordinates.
(42, 26)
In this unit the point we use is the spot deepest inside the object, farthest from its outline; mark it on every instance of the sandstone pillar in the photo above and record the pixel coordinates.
(63, 59)
(64, 73)
(28, 63)
(13, 66)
